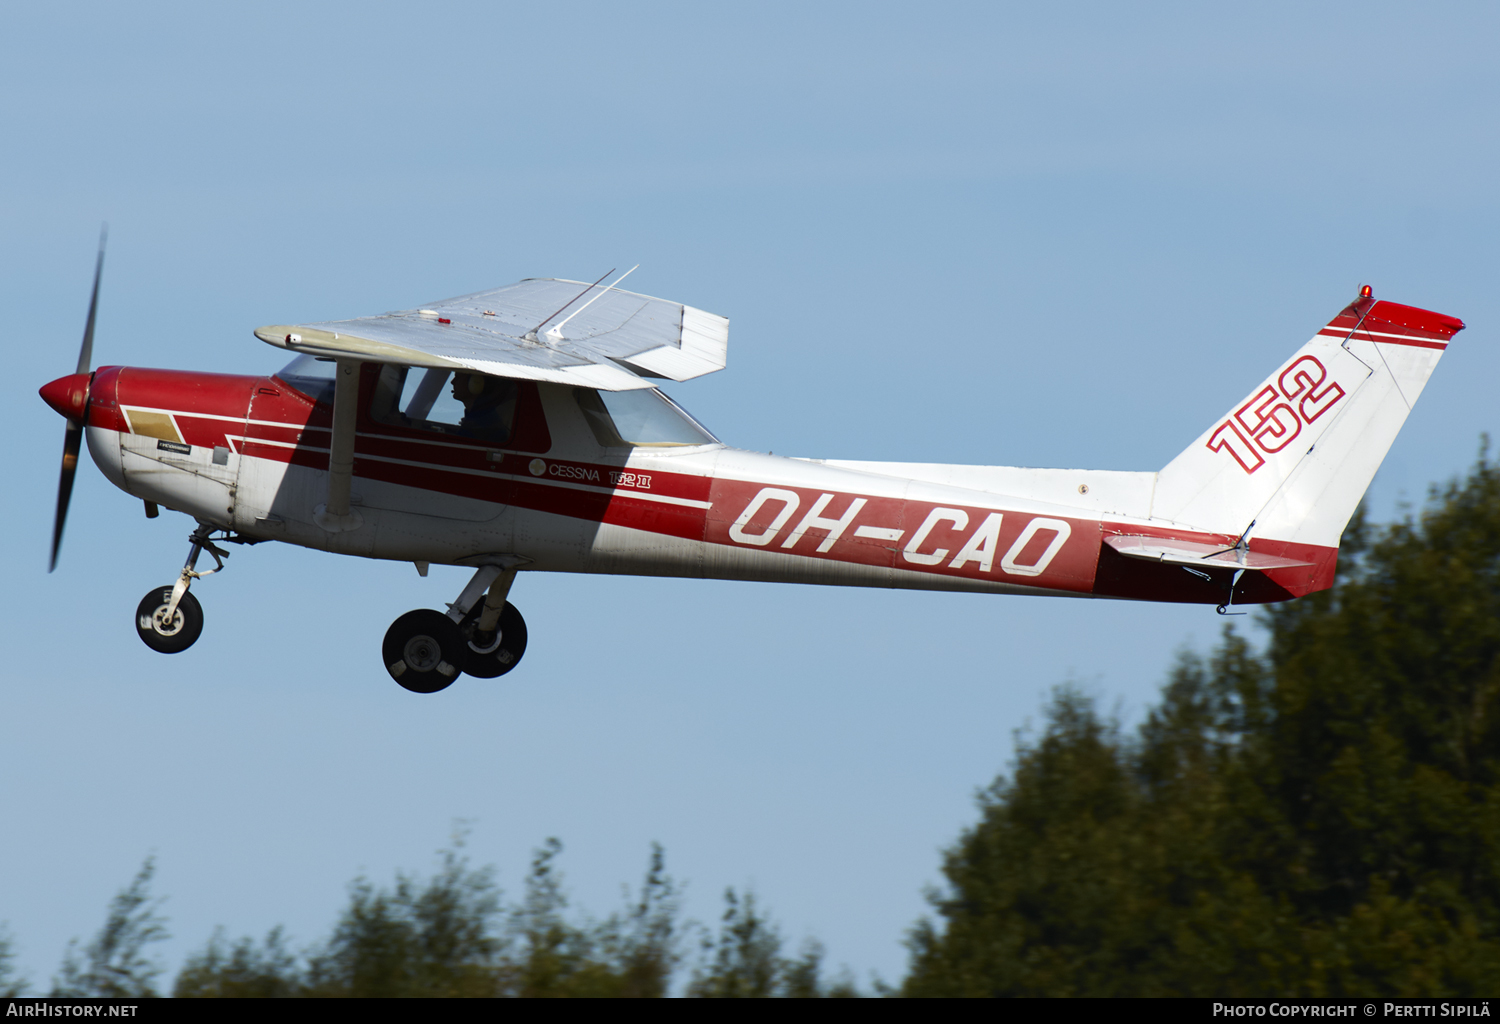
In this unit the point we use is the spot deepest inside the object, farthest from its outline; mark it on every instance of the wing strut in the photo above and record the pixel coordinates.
(336, 515)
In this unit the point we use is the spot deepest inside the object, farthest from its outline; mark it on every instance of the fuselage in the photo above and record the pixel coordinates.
(250, 454)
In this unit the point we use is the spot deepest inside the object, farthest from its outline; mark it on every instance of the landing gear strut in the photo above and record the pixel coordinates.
(425, 650)
(169, 619)
(495, 651)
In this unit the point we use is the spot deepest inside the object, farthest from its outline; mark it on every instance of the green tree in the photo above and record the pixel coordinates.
(415, 939)
(631, 954)
(115, 964)
(11, 984)
(1320, 819)
(244, 970)
(451, 935)
(644, 943)
(551, 956)
(743, 960)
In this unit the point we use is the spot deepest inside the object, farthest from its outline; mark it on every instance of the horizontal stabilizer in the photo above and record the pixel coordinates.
(1186, 552)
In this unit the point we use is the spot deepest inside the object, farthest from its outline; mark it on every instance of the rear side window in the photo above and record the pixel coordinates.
(644, 418)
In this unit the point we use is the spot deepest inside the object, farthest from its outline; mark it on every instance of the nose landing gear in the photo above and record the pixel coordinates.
(169, 619)
(425, 651)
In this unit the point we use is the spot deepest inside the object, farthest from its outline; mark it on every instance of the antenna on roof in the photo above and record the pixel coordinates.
(531, 334)
(555, 333)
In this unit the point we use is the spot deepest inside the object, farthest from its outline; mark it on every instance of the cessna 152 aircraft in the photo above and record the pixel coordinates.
(519, 429)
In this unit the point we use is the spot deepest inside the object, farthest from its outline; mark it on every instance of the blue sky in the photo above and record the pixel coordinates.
(989, 233)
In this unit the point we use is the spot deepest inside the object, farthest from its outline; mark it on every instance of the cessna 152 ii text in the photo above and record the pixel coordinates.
(519, 429)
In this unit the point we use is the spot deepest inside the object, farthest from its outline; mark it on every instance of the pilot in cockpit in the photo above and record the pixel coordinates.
(489, 406)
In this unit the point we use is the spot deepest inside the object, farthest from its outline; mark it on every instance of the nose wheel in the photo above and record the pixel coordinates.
(169, 620)
(165, 629)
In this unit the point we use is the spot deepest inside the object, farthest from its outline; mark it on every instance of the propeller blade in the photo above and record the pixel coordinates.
(86, 353)
(72, 441)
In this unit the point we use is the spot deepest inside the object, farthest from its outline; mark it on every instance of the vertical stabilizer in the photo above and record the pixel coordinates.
(1297, 454)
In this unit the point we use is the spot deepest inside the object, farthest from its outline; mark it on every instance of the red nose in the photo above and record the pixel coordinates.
(69, 395)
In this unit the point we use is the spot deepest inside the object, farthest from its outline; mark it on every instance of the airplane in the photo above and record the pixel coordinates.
(521, 429)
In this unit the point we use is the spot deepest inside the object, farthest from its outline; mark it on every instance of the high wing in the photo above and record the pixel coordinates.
(608, 339)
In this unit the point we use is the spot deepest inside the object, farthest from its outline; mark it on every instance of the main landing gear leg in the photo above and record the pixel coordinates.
(425, 650)
(169, 619)
(494, 629)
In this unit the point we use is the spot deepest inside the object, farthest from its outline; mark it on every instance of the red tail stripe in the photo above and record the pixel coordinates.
(1413, 342)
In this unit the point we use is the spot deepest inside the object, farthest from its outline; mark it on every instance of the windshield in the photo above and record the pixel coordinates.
(644, 418)
(311, 376)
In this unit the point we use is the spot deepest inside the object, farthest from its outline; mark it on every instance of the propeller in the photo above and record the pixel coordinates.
(73, 439)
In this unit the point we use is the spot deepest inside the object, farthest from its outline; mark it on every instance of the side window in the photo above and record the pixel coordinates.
(444, 402)
(311, 376)
(644, 418)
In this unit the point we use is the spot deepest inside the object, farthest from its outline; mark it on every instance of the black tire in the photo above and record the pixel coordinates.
(424, 651)
(168, 637)
(503, 653)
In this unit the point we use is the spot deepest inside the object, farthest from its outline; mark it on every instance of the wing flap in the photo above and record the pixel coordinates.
(703, 348)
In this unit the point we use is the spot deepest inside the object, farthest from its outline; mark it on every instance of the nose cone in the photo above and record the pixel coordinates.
(69, 395)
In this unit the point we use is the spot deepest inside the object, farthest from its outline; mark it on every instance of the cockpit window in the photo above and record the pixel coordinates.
(462, 404)
(311, 376)
(643, 418)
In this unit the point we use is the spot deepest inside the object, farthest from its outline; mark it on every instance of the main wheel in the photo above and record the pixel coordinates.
(424, 651)
(163, 635)
(496, 655)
